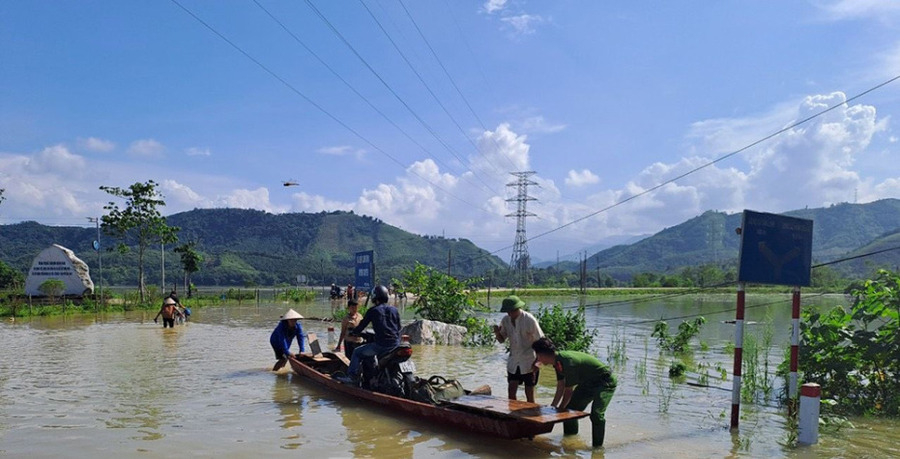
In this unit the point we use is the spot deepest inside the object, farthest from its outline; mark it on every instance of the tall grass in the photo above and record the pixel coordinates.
(617, 352)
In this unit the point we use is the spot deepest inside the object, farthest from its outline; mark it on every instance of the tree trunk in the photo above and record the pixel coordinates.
(141, 272)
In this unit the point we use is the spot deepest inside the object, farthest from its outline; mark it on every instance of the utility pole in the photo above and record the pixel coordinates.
(584, 272)
(520, 261)
(162, 268)
(99, 257)
(449, 260)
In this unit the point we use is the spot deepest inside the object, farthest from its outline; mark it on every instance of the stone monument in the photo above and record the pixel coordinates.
(58, 262)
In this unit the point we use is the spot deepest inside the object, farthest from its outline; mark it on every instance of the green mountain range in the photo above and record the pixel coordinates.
(839, 231)
(250, 247)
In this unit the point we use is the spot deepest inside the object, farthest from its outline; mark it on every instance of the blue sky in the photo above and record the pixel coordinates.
(602, 99)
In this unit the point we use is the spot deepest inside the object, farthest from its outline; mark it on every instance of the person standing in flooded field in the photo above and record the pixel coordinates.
(168, 311)
(288, 328)
(522, 329)
(351, 320)
(581, 378)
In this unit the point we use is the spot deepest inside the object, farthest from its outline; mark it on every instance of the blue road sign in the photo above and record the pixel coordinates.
(365, 271)
(775, 249)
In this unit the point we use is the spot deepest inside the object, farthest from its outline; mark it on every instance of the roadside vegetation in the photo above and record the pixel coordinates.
(854, 352)
(446, 299)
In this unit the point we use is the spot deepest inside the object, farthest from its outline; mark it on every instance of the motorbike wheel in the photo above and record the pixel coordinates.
(409, 382)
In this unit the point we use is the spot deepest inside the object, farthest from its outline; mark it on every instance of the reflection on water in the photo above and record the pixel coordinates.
(120, 385)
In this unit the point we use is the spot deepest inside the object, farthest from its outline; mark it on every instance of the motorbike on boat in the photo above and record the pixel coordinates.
(391, 373)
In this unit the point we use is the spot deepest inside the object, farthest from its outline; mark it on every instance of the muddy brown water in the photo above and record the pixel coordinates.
(118, 385)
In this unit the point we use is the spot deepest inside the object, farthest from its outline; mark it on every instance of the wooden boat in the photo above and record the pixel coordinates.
(483, 414)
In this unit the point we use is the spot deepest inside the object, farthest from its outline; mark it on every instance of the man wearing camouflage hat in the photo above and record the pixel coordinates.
(521, 329)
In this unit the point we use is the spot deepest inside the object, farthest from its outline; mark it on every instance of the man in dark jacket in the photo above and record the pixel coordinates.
(385, 319)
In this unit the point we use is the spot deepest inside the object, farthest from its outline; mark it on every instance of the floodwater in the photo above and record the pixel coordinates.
(118, 385)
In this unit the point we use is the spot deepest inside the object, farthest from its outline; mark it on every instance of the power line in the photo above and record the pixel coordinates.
(723, 311)
(692, 291)
(389, 88)
(355, 91)
(322, 109)
(710, 163)
(427, 87)
(452, 82)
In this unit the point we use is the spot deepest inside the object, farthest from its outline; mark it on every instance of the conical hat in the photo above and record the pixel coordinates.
(291, 314)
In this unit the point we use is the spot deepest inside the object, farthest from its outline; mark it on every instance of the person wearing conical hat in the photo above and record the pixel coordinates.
(168, 312)
(521, 329)
(288, 328)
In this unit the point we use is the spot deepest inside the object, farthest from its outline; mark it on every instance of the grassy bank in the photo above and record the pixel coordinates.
(16, 304)
(626, 291)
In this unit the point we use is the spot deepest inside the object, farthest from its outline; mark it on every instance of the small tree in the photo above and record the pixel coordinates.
(52, 288)
(854, 353)
(190, 263)
(140, 218)
(10, 278)
(567, 329)
(444, 298)
(679, 342)
(439, 296)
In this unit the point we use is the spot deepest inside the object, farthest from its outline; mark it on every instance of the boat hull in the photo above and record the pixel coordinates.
(455, 417)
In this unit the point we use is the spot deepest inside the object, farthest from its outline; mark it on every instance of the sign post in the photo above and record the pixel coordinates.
(365, 270)
(775, 249)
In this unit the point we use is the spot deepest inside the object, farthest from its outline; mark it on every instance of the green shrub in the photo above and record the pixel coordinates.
(567, 329)
(680, 341)
(297, 295)
(855, 355)
(440, 297)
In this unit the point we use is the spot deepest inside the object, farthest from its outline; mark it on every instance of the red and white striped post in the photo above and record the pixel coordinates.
(738, 358)
(808, 422)
(795, 344)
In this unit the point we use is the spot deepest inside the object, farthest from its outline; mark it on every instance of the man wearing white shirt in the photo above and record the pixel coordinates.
(522, 330)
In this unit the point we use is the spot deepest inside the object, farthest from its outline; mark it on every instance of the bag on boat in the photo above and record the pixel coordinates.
(436, 389)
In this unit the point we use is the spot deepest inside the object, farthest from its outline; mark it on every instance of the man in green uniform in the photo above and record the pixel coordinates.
(580, 379)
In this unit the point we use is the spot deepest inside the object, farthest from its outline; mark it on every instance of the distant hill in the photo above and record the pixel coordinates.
(243, 247)
(838, 231)
(605, 243)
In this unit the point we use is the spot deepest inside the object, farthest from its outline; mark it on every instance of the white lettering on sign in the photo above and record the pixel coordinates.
(51, 269)
(360, 259)
(362, 272)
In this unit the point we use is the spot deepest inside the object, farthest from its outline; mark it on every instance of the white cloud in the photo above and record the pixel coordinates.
(58, 160)
(97, 145)
(522, 24)
(812, 165)
(252, 199)
(585, 177)
(342, 150)
(304, 202)
(147, 148)
(538, 125)
(197, 151)
(182, 196)
(493, 6)
(859, 9)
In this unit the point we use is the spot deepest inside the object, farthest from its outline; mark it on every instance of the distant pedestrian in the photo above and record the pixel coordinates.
(522, 329)
(351, 293)
(169, 311)
(185, 312)
(580, 379)
(288, 328)
(351, 320)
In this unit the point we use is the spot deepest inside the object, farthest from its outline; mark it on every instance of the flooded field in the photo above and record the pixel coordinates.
(119, 385)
